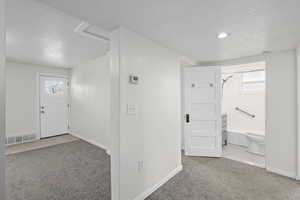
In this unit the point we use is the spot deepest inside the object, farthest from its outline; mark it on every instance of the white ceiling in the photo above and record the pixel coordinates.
(190, 26)
(40, 34)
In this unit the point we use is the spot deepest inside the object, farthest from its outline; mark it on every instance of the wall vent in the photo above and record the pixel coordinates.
(20, 139)
(94, 32)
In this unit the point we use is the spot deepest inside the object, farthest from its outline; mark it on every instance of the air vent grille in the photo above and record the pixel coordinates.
(94, 32)
(20, 139)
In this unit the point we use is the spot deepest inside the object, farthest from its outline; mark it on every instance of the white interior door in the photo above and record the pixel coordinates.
(203, 133)
(54, 107)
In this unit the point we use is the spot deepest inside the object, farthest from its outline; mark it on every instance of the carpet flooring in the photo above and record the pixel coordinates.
(80, 171)
(223, 179)
(70, 171)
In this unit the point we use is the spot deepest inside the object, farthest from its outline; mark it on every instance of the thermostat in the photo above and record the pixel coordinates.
(133, 79)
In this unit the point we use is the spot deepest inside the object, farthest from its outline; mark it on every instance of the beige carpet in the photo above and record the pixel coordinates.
(223, 179)
(80, 171)
(69, 171)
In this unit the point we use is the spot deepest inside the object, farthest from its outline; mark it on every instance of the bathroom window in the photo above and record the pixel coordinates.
(253, 81)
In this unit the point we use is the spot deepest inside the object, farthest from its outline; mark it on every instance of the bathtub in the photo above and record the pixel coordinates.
(253, 140)
(237, 138)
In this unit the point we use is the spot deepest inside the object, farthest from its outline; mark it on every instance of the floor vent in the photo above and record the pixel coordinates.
(20, 139)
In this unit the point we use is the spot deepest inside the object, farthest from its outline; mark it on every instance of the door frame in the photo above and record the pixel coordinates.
(38, 97)
(2, 99)
(224, 64)
(245, 64)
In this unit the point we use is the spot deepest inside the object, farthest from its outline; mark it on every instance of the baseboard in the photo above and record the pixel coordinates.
(282, 172)
(149, 191)
(92, 142)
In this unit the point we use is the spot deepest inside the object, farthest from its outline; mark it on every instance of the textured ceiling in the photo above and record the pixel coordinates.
(190, 26)
(40, 34)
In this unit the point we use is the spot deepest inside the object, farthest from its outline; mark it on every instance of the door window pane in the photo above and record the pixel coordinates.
(53, 87)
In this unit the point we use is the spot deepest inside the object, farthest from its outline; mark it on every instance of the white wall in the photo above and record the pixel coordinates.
(281, 113)
(90, 101)
(253, 102)
(2, 100)
(21, 96)
(153, 134)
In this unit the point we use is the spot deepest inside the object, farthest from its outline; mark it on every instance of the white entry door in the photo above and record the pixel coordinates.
(54, 107)
(203, 133)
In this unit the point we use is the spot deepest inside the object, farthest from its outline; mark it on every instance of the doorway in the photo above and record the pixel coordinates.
(57, 105)
(224, 112)
(53, 105)
(243, 113)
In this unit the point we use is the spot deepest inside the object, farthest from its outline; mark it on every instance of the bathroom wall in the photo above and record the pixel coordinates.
(281, 146)
(252, 102)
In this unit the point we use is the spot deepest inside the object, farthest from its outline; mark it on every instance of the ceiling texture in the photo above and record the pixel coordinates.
(191, 26)
(40, 34)
(187, 26)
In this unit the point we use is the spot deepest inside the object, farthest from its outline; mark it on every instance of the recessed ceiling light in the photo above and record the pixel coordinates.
(222, 35)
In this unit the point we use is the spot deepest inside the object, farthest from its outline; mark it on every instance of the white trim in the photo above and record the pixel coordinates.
(149, 191)
(115, 62)
(91, 142)
(267, 126)
(54, 75)
(298, 111)
(2, 99)
(282, 172)
(38, 117)
(38, 97)
(183, 112)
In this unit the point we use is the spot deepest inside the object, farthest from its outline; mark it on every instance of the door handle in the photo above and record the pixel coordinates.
(42, 109)
(187, 118)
